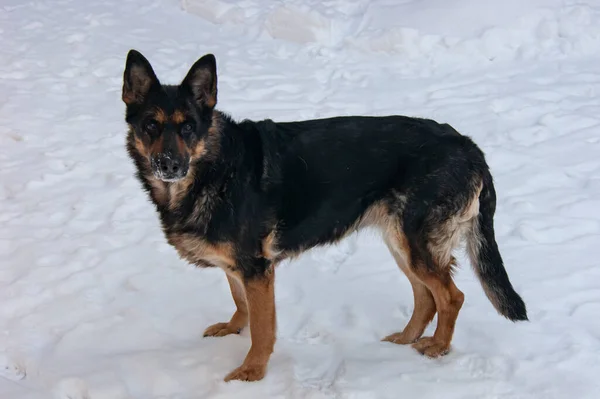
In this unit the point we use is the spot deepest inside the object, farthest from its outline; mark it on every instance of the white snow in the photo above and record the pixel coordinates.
(94, 304)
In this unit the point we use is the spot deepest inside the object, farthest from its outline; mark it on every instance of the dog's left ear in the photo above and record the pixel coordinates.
(201, 80)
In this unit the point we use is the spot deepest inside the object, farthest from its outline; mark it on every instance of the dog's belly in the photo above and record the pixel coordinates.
(328, 226)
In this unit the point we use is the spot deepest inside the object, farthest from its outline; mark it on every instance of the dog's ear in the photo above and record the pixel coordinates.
(138, 78)
(201, 80)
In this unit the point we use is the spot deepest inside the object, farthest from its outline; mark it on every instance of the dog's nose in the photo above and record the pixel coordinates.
(169, 166)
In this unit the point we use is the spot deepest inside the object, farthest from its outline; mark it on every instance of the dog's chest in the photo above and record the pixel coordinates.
(169, 195)
(198, 251)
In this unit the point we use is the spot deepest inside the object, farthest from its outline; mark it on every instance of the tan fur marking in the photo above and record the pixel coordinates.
(178, 189)
(448, 301)
(211, 101)
(158, 187)
(141, 147)
(159, 190)
(160, 116)
(239, 320)
(198, 251)
(269, 247)
(260, 296)
(128, 97)
(424, 305)
(178, 117)
(397, 243)
(472, 209)
(377, 215)
(447, 236)
(199, 149)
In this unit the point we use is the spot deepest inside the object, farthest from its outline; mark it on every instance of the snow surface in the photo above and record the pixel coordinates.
(94, 304)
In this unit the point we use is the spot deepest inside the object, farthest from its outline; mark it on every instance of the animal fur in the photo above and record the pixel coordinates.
(243, 196)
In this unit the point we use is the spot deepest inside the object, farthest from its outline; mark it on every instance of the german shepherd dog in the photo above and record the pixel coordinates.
(243, 196)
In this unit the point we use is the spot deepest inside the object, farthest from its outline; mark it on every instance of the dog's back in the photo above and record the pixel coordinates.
(328, 172)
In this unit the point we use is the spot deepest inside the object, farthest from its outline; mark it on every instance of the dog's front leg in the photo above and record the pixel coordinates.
(239, 320)
(260, 297)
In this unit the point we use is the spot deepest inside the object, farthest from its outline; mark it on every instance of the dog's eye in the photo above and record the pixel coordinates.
(187, 129)
(151, 127)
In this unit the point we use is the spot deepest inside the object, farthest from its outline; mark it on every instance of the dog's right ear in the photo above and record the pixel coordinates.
(138, 78)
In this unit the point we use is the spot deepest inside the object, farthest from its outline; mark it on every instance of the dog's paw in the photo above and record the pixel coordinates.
(399, 338)
(253, 372)
(221, 330)
(431, 347)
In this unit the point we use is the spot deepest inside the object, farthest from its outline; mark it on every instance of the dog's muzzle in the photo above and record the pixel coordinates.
(168, 168)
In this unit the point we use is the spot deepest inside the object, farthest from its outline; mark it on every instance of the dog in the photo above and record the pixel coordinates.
(243, 196)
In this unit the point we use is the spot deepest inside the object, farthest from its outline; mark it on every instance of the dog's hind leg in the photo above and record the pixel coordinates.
(448, 301)
(432, 234)
(239, 320)
(424, 305)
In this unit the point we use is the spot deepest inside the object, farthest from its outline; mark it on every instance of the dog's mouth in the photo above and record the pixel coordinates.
(168, 179)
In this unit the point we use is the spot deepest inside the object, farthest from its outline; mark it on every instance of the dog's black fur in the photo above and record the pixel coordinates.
(244, 196)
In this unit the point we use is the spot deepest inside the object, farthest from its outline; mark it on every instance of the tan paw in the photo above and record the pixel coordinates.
(430, 347)
(220, 330)
(399, 338)
(254, 372)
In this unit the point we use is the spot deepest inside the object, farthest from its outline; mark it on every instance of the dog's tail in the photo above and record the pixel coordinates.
(486, 259)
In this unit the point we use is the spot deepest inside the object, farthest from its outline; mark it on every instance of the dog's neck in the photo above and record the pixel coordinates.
(166, 195)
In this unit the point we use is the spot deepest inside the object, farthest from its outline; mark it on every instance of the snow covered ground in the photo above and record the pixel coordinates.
(94, 304)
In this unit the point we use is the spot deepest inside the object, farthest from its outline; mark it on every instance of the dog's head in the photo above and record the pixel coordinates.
(169, 124)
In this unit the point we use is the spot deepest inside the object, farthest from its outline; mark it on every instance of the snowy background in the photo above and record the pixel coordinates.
(94, 304)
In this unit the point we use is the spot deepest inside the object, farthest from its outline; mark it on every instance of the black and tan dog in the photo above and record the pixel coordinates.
(244, 196)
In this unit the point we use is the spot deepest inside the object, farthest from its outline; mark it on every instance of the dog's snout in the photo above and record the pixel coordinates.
(168, 168)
